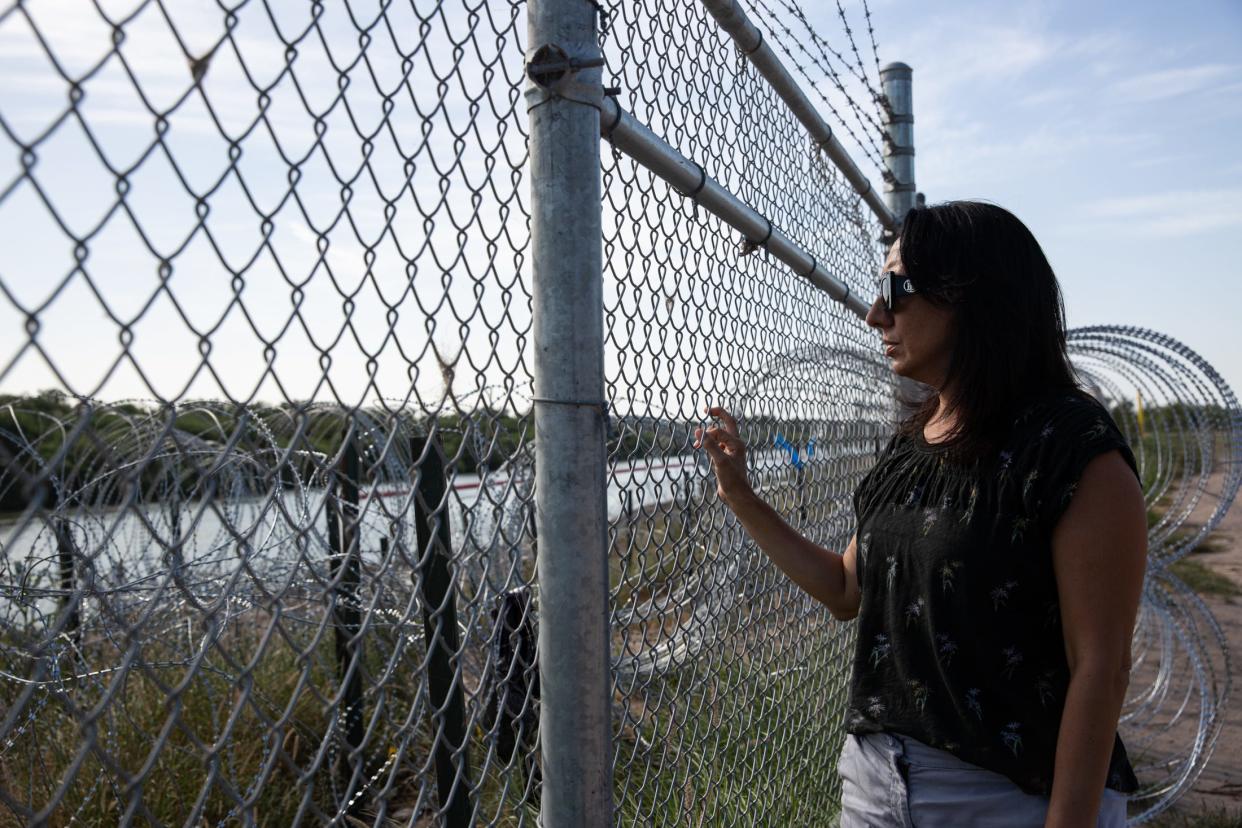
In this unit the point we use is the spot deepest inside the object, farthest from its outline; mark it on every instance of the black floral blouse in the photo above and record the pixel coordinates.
(959, 635)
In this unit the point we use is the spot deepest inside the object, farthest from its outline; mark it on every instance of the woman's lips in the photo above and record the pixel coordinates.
(889, 349)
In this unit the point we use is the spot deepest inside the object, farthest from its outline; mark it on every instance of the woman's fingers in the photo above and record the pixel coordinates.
(723, 439)
(730, 423)
(714, 451)
(727, 453)
(716, 439)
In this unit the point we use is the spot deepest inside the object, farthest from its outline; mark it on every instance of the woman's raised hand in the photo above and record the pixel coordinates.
(728, 455)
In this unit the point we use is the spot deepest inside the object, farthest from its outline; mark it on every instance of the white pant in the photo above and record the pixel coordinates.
(888, 779)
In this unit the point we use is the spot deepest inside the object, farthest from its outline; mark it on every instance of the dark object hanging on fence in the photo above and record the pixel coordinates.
(687, 505)
(800, 475)
(513, 709)
(452, 759)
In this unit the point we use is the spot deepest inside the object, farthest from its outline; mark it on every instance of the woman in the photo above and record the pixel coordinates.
(999, 551)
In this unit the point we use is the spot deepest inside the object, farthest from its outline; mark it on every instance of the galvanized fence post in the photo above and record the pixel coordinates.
(563, 97)
(899, 188)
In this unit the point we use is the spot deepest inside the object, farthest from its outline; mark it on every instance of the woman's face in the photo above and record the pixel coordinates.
(917, 335)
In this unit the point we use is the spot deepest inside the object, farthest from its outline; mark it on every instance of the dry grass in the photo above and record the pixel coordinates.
(706, 742)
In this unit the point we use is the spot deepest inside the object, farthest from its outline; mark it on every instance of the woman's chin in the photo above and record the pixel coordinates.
(906, 371)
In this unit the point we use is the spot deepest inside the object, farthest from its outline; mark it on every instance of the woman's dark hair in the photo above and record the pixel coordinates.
(983, 263)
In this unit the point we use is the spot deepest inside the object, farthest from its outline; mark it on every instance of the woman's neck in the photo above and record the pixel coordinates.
(942, 422)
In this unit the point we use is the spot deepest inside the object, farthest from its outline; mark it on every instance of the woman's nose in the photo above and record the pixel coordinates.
(879, 316)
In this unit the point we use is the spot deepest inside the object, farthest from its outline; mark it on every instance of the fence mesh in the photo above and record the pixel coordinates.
(289, 581)
(730, 681)
(267, 482)
(268, 552)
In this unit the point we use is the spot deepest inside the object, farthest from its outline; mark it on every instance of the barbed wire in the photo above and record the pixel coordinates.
(870, 126)
(875, 50)
(849, 34)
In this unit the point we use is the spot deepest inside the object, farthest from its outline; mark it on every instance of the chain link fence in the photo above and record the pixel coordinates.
(730, 681)
(290, 581)
(267, 493)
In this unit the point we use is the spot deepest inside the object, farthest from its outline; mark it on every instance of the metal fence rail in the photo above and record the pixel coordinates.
(310, 475)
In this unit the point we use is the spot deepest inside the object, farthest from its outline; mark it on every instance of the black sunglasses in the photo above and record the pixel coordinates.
(891, 285)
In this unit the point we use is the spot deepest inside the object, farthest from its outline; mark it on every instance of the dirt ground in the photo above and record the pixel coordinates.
(1216, 798)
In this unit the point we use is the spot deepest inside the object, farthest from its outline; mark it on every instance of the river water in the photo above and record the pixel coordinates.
(242, 540)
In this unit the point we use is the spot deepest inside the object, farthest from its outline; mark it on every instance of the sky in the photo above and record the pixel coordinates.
(1113, 130)
(198, 301)
(1110, 128)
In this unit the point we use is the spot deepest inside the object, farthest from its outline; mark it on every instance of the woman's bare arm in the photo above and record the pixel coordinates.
(1099, 553)
(827, 576)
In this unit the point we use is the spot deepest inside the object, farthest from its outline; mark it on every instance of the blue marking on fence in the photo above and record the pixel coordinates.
(782, 443)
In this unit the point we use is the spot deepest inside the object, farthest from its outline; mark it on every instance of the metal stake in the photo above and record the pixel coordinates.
(347, 619)
(66, 553)
(448, 710)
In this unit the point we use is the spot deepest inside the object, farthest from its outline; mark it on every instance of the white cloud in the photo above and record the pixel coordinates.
(1149, 161)
(965, 67)
(1168, 83)
(1048, 95)
(1166, 215)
